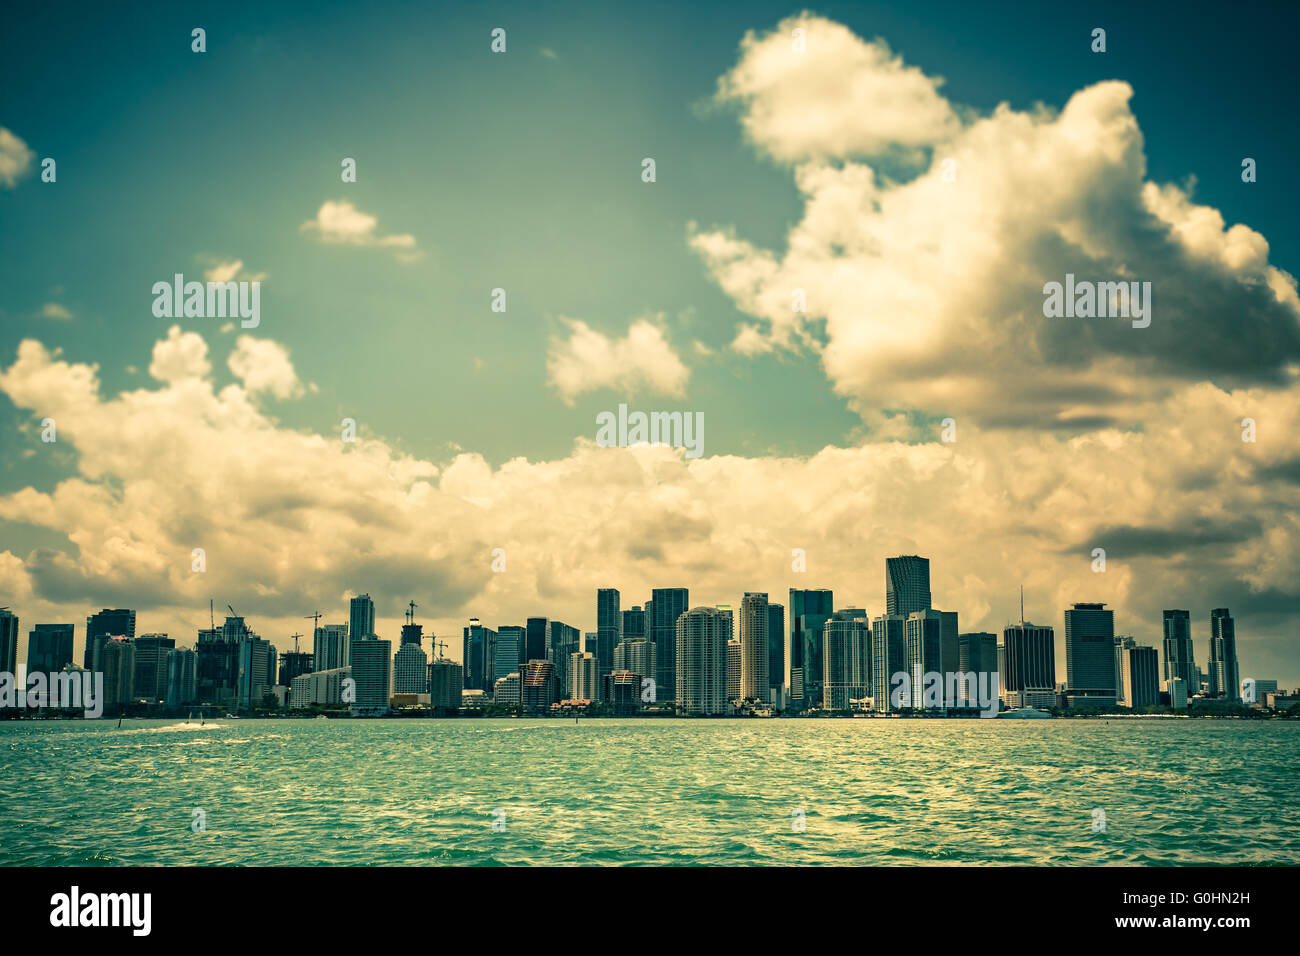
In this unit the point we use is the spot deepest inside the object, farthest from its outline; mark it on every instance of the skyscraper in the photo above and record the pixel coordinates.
(181, 688)
(479, 652)
(1225, 677)
(636, 655)
(846, 658)
(1028, 671)
(753, 646)
(49, 648)
(372, 674)
(584, 676)
(924, 650)
(539, 687)
(1122, 645)
(412, 633)
(1090, 649)
(256, 657)
(1142, 677)
(9, 642)
(1180, 657)
(117, 662)
(445, 684)
(539, 634)
(151, 665)
(734, 668)
(330, 647)
(949, 652)
(609, 627)
(820, 604)
(888, 657)
(701, 656)
(563, 640)
(634, 624)
(977, 653)
(512, 639)
(100, 627)
(776, 653)
(907, 584)
(410, 670)
(361, 618)
(669, 605)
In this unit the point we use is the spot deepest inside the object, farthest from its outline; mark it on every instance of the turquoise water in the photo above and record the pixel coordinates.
(650, 791)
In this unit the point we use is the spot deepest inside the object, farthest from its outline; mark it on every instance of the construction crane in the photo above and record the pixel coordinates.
(438, 644)
(232, 611)
(315, 618)
(295, 642)
(410, 615)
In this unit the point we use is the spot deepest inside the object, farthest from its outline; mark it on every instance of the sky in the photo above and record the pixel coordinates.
(919, 172)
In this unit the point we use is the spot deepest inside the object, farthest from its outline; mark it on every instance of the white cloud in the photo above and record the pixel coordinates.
(263, 365)
(15, 158)
(231, 270)
(53, 310)
(180, 356)
(341, 223)
(589, 360)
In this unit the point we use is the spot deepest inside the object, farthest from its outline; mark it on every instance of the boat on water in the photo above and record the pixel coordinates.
(1022, 713)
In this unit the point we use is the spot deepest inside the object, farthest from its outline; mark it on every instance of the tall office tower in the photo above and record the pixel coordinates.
(49, 648)
(1090, 649)
(294, 664)
(584, 676)
(669, 605)
(733, 670)
(9, 642)
(539, 636)
(753, 646)
(181, 688)
(609, 627)
(1225, 677)
(361, 618)
(636, 655)
(1141, 677)
(100, 627)
(330, 647)
(511, 641)
(1122, 645)
(701, 657)
(117, 662)
(977, 653)
(1180, 657)
(634, 624)
(539, 686)
(235, 629)
(255, 656)
(776, 654)
(820, 603)
(888, 657)
(446, 683)
(590, 641)
(907, 584)
(924, 651)
(846, 658)
(479, 653)
(151, 665)
(271, 659)
(412, 633)
(373, 675)
(949, 652)
(563, 640)
(1028, 671)
(410, 670)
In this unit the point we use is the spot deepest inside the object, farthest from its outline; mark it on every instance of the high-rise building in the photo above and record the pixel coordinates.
(1180, 656)
(668, 605)
(256, 657)
(539, 686)
(506, 690)
(753, 646)
(373, 675)
(117, 662)
(563, 640)
(446, 684)
(634, 624)
(1090, 649)
(1122, 645)
(977, 653)
(636, 655)
(539, 635)
(49, 648)
(609, 627)
(319, 688)
(907, 584)
(1142, 677)
(1225, 676)
(776, 653)
(623, 692)
(181, 688)
(584, 676)
(924, 633)
(295, 664)
(949, 652)
(846, 658)
(412, 633)
(512, 641)
(151, 665)
(479, 653)
(734, 668)
(820, 604)
(100, 627)
(330, 647)
(361, 618)
(1177, 690)
(217, 663)
(701, 657)
(888, 658)
(9, 642)
(410, 670)
(1028, 666)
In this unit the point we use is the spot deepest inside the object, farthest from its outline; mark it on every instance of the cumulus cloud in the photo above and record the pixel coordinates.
(15, 158)
(926, 293)
(53, 310)
(589, 360)
(180, 356)
(223, 270)
(339, 222)
(263, 365)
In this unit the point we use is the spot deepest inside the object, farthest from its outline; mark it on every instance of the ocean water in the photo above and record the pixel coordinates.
(651, 791)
